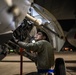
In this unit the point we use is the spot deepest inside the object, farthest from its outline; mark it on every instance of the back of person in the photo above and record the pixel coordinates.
(45, 58)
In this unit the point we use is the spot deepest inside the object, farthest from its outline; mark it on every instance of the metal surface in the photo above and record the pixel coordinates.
(71, 37)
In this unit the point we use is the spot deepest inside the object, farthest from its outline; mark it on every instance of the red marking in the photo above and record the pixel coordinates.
(21, 49)
(21, 61)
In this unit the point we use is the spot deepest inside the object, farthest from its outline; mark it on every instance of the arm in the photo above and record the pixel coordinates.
(36, 47)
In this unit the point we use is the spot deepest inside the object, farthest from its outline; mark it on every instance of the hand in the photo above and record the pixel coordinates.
(15, 40)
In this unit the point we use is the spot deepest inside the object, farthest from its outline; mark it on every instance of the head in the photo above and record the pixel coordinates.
(40, 35)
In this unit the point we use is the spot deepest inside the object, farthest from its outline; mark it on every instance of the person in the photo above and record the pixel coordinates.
(45, 53)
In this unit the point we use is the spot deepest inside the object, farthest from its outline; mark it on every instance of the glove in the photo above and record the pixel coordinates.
(15, 40)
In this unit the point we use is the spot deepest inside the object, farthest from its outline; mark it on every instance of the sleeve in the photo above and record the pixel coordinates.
(36, 47)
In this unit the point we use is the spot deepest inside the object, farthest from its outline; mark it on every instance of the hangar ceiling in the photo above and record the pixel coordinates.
(61, 9)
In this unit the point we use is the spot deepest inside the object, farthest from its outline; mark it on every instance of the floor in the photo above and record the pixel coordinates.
(10, 65)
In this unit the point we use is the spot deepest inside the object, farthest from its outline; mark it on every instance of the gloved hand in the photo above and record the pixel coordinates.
(15, 40)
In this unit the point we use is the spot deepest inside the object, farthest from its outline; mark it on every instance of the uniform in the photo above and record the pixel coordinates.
(45, 54)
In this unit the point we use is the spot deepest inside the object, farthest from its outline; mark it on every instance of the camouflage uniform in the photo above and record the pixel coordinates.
(45, 53)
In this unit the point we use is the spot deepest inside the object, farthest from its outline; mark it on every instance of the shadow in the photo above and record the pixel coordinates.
(14, 61)
(72, 68)
(16, 74)
(69, 61)
(69, 67)
(31, 73)
(2, 56)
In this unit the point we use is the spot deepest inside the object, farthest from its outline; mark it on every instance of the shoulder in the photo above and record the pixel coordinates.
(43, 41)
